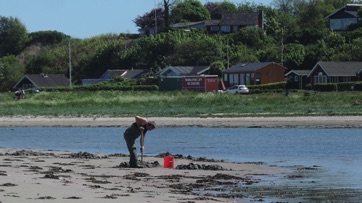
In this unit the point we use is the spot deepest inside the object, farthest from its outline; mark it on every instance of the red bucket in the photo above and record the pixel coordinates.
(168, 161)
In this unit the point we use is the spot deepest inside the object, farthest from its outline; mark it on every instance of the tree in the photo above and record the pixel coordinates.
(13, 36)
(283, 6)
(10, 72)
(47, 37)
(216, 9)
(189, 11)
(294, 55)
(216, 68)
(148, 19)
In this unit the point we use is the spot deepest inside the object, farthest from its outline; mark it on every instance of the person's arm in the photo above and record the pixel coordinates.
(141, 121)
(142, 141)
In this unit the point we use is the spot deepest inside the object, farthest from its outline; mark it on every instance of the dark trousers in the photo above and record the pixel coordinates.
(132, 151)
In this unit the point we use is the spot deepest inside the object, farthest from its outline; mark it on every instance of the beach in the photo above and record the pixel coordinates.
(262, 122)
(29, 175)
(56, 176)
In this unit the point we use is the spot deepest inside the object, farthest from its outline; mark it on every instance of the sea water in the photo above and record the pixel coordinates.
(338, 150)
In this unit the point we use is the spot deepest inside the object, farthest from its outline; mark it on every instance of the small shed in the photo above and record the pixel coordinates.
(297, 79)
(203, 83)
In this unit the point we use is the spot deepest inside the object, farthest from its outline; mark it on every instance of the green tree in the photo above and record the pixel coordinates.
(47, 37)
(197, 49)
(294, 55)
(355, 50)
(13, 36)
(216, 68)
(216, 9)
(189, 11)
(10, 72)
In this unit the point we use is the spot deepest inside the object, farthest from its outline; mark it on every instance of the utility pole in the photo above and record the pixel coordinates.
(70, 64)
(227, 52)
(154, 2)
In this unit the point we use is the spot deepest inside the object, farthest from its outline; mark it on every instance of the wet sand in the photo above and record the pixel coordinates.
(262, 122)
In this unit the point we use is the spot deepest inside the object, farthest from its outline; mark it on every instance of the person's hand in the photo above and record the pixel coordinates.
(142, 148)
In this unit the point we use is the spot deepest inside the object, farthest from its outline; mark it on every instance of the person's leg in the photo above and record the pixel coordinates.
(132, 152)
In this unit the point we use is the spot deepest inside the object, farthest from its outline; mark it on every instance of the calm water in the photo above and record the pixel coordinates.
(338, 151)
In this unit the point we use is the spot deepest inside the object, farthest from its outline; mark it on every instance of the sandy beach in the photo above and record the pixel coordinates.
(54, 176)
(255, 122)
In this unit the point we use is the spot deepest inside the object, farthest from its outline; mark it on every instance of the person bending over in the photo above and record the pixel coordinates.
(138, 129)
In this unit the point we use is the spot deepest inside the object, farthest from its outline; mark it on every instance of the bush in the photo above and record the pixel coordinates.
(343, 86)
(271, 87)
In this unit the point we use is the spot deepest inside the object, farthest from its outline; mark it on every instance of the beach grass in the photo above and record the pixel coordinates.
(180, 104)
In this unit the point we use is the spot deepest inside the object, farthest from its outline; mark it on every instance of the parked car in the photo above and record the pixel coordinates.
(237, 89)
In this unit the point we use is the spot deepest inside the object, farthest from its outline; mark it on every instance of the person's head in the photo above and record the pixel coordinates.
(151, 125)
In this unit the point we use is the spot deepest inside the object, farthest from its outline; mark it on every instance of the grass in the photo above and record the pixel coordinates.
(180, 104)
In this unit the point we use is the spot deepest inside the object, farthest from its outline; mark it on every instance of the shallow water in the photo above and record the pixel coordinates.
(337, 151)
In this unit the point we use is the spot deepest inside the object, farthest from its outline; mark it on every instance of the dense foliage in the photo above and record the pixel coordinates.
(296, 35)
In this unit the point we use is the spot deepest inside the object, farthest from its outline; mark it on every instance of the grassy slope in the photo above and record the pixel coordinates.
(180, 104)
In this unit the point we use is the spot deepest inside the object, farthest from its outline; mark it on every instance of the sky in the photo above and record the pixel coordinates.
(84, 18)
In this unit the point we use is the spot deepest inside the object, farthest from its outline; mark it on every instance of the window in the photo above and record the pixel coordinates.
(226, 77)
(341, 24)
(247, 79)
(320, 78)
(257, 79)
(225, 28)
(296, 78)
(214, 28)
(235, 28)
(235, 79)
(242, 79)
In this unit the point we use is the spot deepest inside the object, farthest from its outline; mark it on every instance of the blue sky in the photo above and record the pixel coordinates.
(83, 18)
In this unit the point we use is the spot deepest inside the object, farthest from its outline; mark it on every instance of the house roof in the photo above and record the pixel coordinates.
(212, 22)
(349, 9)
(129, 74)
(112, 73)
(186, 70)
(339, 68)
(249, 67)
(134, 73)
(45, 80)
(186, 24)
(240, 18)
(299, 72)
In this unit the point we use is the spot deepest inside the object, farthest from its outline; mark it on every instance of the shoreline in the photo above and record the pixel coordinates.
(249, 122)
(47, 175)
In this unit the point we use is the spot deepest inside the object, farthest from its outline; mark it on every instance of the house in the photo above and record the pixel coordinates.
(194, 78)
(233, 22)
(297, 78)
(33, 81)
(343, 17)
(334, 72)
(229, 22)
(110, 74)
(254, 73)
